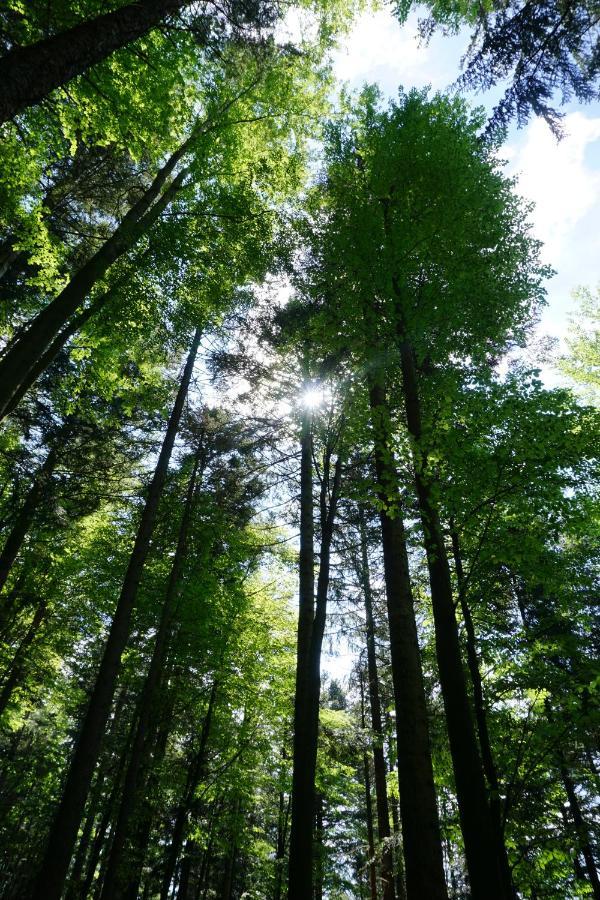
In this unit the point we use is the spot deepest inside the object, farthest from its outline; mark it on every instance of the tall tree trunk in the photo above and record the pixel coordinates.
(195, 775)
(74, 325)
(581, 829)
(138, 842)
(303, 787)
(30, 73)
(25, 517)
(420, 826)
(311, 628)
(320, 847)
(379, 767)
(483, 863)
(41, 333)
(368, 802)
(115, 882)
(66, 823)
(19, 660)
(282, 823)
(485, 745)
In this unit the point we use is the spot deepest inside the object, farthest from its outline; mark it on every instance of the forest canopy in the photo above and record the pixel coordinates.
(299, 514)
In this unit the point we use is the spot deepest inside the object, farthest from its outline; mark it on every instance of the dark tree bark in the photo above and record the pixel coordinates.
(74, 325)
(115, 882)
(483, 863)
(581, 828)
(195, 776)
(311, 628)
(418, 809)
(138, 843)
(379, 767)
(26, 515)
(368, 803)
(28, 74)
(303, 789)
(282, 827)
(485, 744)
(66, 823)
(19, 660)
(25, 354)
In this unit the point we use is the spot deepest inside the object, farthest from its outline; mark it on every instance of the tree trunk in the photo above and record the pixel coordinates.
(303, 787)
(195, 775)
(25, 354)
(418, 809)
(66, 823)
(282, 822)
(138, 843)
(16, 668)
(25, 517)
(483, 864)
(485, 745)
(28, 74)
(368, 803)
(581, 828)
(75, 324)
(115, 882)
(311, 628)
(379, 767)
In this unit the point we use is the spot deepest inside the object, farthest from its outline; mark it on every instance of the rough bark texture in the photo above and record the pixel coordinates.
(418, 808)
(28, 74)
(66, 823)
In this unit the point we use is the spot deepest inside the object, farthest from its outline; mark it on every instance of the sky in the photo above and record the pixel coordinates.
(562, 177)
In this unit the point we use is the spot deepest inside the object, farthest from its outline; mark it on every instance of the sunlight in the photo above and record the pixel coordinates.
(312, 398)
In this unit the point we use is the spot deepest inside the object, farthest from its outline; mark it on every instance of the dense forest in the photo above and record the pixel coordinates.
(299, 517)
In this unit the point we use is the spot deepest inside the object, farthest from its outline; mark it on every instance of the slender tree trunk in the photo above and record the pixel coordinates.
(25, 517)
(420, 826)
(66, 823)
(368, 803)
(581, 828)
(20, 658)
(75, 324)
(485, 745)
(379, 767)
(115, 882)
(311, 628)
(282, 822)
(138, 843)
(483, 863)
(320, 848)
(30, 73)
(195, 775)
(41, 333)
(303, 787)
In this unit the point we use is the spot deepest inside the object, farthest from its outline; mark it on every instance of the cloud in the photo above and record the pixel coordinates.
(379, 49)
(557, 177)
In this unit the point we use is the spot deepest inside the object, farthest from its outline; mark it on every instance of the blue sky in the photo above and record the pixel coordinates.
(562, 178)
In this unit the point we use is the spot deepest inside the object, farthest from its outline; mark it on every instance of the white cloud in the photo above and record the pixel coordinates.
(555, 175)
(378, 49)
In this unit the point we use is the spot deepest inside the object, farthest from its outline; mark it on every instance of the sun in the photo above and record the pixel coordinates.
(312, 398)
